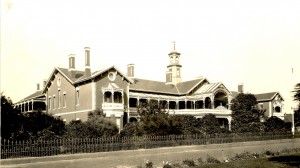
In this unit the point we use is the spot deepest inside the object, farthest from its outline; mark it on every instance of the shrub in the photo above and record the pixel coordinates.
(200, 160)
(269, 153)
(189, 162)
(166, 165)
(211, 159)
(244, 155)
(149, 164)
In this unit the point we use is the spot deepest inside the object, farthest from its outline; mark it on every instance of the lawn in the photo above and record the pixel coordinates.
(287, 161)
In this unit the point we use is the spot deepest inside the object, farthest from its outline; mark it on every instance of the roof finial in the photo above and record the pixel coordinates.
(174, 44)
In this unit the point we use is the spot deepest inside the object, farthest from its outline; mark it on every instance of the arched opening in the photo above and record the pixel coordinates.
(199, 104)
(107, 97)
(133, 120)
(221, 99)
(117, 97)
(172, 104)
(223, 122)
(190, 105)
(207, 103)
(30, 106)
(277, 109)
(143, 101)
(163, 104)
(132, 102)
(181, 104)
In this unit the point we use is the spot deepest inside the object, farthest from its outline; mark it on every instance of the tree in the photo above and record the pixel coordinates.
(297, 98)
(96, 126)
(185, 124)
(210, 124)
(275, 124)
(129, 130)
(154, 120)
(245, 114)
(40, 125)
(11, 118)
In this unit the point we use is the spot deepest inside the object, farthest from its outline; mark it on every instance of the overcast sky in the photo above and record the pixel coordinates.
(255, 42)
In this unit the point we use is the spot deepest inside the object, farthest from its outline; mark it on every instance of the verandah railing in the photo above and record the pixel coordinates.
(37, 148)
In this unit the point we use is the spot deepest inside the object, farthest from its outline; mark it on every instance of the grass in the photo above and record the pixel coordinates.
(287, 161)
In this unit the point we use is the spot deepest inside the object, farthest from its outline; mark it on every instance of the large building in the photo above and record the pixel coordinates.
(70, 93)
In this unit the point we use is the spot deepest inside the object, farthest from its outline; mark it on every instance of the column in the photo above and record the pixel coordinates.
(32, 105)
(212, 102)
(229, 123)
(93, 95)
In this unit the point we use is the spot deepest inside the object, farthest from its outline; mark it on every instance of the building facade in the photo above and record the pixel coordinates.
(70, 93)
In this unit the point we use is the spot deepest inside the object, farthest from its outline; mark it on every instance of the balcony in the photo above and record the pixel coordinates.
(112, 106)
(202, 112)
(220, 111)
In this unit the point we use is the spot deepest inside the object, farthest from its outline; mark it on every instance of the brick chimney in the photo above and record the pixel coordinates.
(44, 83)
(38, 87)
(130, 71)
(87, 61)
(241, 88)
(71, 70)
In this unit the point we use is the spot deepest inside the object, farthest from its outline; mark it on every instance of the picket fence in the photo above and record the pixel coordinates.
(38, 148)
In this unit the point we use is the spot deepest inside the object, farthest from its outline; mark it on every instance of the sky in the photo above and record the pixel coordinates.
(255, 42)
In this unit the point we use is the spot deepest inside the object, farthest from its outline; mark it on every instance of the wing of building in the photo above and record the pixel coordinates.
(271, 102)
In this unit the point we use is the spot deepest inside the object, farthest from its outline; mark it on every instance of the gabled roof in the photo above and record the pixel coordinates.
(210, 88)
(97, 73)
(234, 93)
(144, 85)
(80, 75)
(262, 96)
(35, 95)
(266, 96)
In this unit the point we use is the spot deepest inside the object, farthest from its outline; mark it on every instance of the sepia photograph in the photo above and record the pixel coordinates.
(150, 84)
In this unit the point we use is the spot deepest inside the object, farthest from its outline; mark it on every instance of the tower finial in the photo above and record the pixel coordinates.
(174, 43)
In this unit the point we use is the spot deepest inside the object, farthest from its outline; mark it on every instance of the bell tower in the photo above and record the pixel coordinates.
(174, 67)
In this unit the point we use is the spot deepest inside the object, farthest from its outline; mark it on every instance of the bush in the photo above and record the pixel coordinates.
(211, 159)
(149, 164)
(189, 162)
(166, 165)
(244, 155)
(200, 160)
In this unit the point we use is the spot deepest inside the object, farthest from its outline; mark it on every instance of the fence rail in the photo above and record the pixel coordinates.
(38, 148)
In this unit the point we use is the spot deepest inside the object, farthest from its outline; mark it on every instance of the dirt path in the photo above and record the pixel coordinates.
(124, 159)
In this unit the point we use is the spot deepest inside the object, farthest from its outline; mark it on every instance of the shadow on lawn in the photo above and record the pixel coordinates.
(291, 160)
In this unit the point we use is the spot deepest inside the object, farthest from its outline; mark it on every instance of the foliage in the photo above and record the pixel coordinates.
(96, 126)
(37, 125)
(99, 126)
(11, 118)
(128, 130)
(245, 114)
(189, 162)
(297, 111)
(185, 124)
(275, 124)
(210, 124)
(96, 113)
(211, 159)
(154, 120)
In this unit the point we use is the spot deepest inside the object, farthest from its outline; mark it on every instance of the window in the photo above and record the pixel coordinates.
(49, 103)
(58, 99)
(277, 109)
(77, 97)
(64, 100)
(53, 105)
